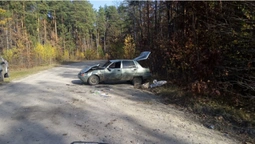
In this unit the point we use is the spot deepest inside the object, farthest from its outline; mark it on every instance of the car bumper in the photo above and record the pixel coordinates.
(83, 77)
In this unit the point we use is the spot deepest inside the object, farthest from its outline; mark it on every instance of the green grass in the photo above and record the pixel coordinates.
(21, 73)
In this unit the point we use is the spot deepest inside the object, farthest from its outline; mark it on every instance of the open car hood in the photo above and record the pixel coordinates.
(89, 68)
(143, 56)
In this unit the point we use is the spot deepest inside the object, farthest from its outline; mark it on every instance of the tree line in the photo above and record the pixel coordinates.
(206, 46)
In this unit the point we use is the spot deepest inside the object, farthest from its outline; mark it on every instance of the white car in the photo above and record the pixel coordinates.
(117, 70)
(4, 73)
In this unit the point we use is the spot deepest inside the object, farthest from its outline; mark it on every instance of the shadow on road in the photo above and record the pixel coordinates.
(21, 120)
(84, 142)
(39, 111)
(77, 82)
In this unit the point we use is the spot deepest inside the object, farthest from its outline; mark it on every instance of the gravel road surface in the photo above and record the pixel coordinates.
(54, 107)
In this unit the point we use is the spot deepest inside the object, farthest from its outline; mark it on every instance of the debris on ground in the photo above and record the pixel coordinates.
(146, 85)
(157, 83)
(100, 93)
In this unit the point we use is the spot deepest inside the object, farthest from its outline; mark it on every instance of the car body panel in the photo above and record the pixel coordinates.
(117, 70)
(128, 69)
(89, 68)
(111, 74)
(128, 74)
(3, 65)
(4, 69)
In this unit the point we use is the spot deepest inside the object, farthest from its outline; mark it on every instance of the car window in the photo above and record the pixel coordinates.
(115, 65)
(106, 64)
(128, 64)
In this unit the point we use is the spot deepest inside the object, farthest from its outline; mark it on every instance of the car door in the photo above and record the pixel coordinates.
(113, 72)
(128, 70)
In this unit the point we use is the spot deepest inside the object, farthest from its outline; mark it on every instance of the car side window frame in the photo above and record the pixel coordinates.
(128, 64)
(115, 66)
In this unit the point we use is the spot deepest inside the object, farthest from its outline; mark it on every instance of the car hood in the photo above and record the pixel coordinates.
(143, 56)
(89, 68)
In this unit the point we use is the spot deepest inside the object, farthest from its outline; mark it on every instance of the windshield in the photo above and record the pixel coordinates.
(107, 64)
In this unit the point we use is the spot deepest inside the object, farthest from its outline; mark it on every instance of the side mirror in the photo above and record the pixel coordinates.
(108, 69)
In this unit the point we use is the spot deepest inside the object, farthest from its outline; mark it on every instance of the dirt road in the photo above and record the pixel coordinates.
(53, 107)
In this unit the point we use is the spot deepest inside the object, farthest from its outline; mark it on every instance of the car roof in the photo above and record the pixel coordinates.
(143, 56)
(116, 60)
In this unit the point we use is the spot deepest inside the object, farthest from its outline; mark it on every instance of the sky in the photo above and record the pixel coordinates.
(97, 3)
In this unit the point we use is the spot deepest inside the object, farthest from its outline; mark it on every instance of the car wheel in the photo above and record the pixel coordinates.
(1, 76)
(93, 80)
(137, 81)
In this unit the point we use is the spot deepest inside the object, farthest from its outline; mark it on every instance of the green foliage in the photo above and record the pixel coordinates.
(90, 54)
(3, 21)
(129, 47)
(45, 53)
(116, 50)
(113, 36)
(203, 41)
(79, 55)
(100, 53)
(10, 54)
(44, 31)
(101, 21)
(65, 56)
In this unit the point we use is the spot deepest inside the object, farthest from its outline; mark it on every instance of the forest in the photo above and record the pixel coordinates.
(207, 47)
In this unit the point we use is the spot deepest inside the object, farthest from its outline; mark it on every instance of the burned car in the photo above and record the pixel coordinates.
(116, 71)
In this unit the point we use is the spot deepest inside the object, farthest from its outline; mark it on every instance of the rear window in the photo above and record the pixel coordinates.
(144, 64)
(128, 64)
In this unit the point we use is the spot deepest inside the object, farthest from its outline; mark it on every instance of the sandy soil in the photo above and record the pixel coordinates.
(54, 107)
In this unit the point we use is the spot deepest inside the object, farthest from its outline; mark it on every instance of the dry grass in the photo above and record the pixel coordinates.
(219, 113)
(20, 73)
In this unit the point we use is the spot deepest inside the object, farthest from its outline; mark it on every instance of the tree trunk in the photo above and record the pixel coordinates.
(7, 40)
(169, 15)
(23, 16)
(104, 41)
(97, 43)
(148, 23)
(156, 17)
(140, 24)
(55, 24)
(184, 19)
(45, 31)
(38, 28)
(91, 41)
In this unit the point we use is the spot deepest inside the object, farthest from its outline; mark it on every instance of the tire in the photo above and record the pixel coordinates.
(6, 75)
(1, 76)
(93, 80)
(137, 81)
